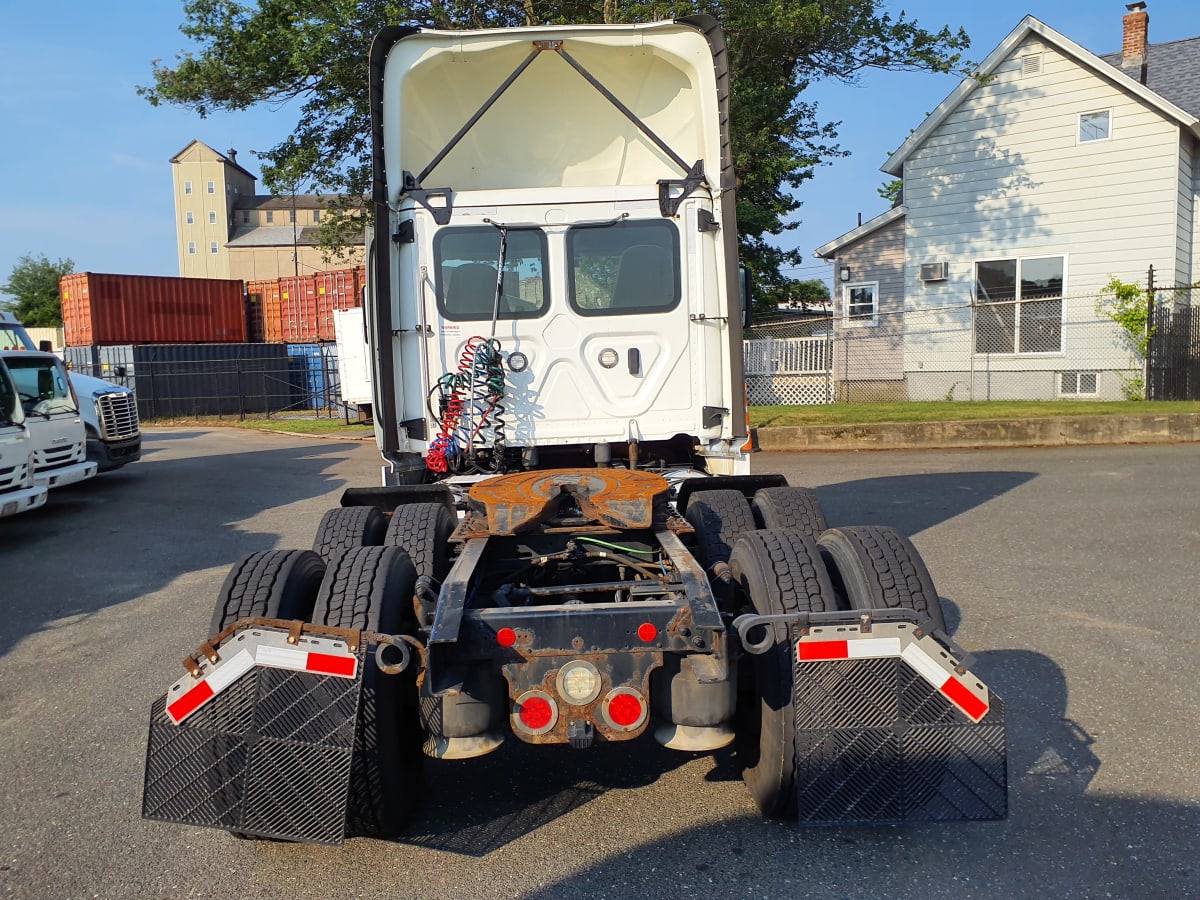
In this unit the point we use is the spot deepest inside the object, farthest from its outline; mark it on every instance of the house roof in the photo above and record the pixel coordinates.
(225, 159)
(1030, 25)
(1172, 71)
(277, 236)
(275, 201)
(826, 251)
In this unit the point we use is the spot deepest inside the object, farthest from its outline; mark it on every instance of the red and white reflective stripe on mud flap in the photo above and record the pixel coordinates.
(877, 648)
(239, 664)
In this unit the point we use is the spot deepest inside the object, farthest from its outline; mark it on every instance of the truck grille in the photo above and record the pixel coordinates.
(12, 477)
(118, 416)
(56, 458)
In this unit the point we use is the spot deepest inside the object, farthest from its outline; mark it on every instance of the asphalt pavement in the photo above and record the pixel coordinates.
(1069, 572)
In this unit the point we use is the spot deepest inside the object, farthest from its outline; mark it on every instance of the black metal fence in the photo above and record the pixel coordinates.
(1174, 351)
(194, 381)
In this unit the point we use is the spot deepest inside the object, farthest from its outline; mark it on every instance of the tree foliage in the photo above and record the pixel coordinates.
(314, 52)
(33, 285)
(1129, 306)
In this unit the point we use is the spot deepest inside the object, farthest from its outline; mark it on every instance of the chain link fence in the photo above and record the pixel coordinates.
(1034, 349)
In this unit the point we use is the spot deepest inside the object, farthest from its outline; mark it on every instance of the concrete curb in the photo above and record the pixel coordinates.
(1147, 428)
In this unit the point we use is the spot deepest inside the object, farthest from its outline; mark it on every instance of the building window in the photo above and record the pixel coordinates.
(187, 187)
(292, 216)
(212, 248)
(190, 218)
(316, 216)
(270, 216)
(861, 304)
(191, 248)
(212, 218)
(245, 217)
(1076, 384)
(1018, 305)
(212, 187)
(1095, 126)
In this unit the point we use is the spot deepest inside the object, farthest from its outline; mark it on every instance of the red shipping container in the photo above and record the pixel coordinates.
(298, 309)
(342, 286)
(103, 309)
(264, 319)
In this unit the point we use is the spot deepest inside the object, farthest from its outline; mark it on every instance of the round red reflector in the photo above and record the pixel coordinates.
(536, 713)
(506, 637)
(647, 632)
(625, 710)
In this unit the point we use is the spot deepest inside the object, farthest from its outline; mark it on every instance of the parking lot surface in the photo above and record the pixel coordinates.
(1069, 572)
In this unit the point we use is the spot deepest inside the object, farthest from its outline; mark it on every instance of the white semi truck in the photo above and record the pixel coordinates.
(568, 547)
(108, 411)
(18, 493)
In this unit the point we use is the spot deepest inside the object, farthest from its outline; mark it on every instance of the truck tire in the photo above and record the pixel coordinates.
(371, 588)
(876, 567)
(789, 507)
(774, 572)
(274, 584)
(423, 530)
(349, 526)
(719, 517)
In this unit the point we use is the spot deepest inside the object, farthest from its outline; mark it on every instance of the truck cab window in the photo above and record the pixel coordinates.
(465, 260)
(624, 268)
(8, 399)
(42, 386)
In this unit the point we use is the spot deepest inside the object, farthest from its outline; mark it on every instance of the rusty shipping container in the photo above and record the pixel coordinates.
(104, 309)
(298, 306)
(263, 311)
(342, 286)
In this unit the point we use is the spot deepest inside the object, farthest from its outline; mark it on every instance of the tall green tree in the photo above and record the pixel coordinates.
(314, 53)
(33, 285)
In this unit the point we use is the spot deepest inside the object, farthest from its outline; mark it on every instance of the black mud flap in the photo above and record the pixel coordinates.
(260, 743)
(891, 728)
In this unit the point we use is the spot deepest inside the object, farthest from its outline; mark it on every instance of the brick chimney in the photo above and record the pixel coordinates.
(1133, 46)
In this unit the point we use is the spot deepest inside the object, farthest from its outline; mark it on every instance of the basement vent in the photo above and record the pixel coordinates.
(934, 271)
(1031, 65)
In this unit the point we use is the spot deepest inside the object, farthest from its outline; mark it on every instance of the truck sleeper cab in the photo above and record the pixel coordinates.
(52, 417)
(18, 493)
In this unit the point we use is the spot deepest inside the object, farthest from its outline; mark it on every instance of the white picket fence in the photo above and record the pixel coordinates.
(789, 371)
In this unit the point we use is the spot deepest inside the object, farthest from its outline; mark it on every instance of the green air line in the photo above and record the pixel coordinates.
(616, 546)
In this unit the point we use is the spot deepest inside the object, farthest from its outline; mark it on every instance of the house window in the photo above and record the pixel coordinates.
(212, 187)
(1018, 305)
(245, 217)
(292, 216)
(1076, 384)
(1095, 126)
(191, 248)
(190, 218)
(861, 304)
(270, 217)
(212, 248)
(316, 216)
(212, 218)
(187, 187)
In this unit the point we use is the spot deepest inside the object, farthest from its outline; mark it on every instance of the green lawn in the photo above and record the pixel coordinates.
(296, 425)
(950, 411)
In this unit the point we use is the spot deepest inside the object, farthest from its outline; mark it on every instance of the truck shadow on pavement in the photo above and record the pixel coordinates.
(913, 503)
(126, 534)
(1060, 838)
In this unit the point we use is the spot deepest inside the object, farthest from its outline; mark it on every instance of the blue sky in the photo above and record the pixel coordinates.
(87, 159)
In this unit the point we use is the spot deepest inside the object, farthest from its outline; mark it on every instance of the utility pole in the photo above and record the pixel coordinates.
(295, 241)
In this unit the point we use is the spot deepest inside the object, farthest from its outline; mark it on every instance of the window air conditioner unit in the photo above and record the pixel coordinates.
(934, 271)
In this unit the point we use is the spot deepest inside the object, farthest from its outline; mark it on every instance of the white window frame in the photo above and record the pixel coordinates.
(849, 321)
(191, 248)
(270, 217)
(191, 220)
(316, 216)
(1078, 376)
(1080, 139)
(212, 187)
(212, 217)
(187, 187)
(1015, 352)
(212, 247)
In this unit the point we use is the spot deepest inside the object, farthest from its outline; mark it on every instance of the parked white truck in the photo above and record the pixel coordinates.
(568, 548)
(18, 492)
(109, 411)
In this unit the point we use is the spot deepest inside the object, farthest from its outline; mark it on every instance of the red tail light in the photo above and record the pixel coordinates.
(535, 712)
(625, 709)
